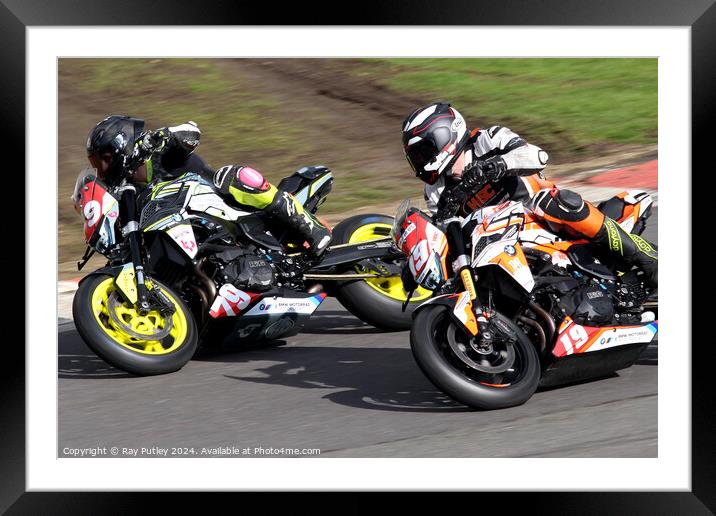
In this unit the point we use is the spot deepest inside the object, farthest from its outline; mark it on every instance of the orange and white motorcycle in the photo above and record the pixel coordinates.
(517, 307)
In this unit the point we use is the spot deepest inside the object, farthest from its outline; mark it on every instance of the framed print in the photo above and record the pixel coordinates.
(343, 399)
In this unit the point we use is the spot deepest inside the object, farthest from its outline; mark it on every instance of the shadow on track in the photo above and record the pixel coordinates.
(332, 322)
(370, 378)
(376, 378)
(76, 360)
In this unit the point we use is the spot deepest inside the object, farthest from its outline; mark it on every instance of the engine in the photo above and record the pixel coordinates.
(590, 305)
(250, 272)
(587, 301)
(245, 269)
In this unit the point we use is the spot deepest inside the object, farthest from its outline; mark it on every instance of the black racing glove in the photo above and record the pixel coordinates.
(480, 172)
(494, 168)
(450, 202)
(150, 142)
(472, 175)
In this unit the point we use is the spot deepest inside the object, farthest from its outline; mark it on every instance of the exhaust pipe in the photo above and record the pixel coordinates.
(536, 327)
(549, 321)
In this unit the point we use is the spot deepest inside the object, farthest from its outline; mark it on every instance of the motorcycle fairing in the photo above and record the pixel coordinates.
(274, 305)
(232, 301)
(99, 209)
(175, 200)
(495, 241)
(183, 235)
(203, 199)
(309, 185)
(268, 317)
(573, 338)
(426, 248)
(308, 191)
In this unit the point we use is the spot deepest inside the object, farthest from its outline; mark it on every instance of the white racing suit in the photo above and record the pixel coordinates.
(524, 182)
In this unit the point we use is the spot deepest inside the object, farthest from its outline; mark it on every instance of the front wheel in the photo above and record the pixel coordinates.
(498, 373)
(377, 301)
(144, 345)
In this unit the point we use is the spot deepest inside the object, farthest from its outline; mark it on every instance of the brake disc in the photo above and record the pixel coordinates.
(113, 302)
(505, 357)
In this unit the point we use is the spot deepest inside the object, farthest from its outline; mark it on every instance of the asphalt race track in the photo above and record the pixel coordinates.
(349, 390)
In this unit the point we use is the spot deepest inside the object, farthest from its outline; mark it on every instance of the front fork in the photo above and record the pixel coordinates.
(461, 267)
(130, 231)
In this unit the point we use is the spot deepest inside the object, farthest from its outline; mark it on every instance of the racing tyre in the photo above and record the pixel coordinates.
(143, 345)
(376, 301)
(504, 374)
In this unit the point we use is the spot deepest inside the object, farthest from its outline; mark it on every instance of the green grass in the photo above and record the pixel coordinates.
(176, 90)
(574, 108)
(582, 101)
(568, 106)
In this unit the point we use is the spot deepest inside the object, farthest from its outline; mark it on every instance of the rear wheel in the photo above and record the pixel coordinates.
(147, 344)
(498, 373)
(377, 301)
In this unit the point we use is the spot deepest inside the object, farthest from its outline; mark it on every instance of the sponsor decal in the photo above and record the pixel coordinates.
(510, 250)
(230, 301)
(615, 241)
(644, 246)
(282, 305)
(408, 230)
(574, 338)
(183, 235)
(481, 197)
(467, 282)
(376, 245)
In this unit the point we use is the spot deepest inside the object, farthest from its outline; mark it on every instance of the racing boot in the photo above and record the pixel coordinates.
(632, 248)
(288, 210)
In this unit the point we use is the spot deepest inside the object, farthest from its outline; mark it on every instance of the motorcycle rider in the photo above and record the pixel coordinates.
(443, 153)
(119, 148)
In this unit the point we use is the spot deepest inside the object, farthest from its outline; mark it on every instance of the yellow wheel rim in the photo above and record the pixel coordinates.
(140, 324)
(391, 286)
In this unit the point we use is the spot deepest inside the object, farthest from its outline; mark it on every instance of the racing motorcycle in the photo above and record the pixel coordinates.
(184, 269)
(516, 306)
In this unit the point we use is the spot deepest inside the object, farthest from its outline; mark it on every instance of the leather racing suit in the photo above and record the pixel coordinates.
(521, 179)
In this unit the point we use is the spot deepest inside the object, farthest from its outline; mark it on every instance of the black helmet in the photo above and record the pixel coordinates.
(111, 143)
(433, 137)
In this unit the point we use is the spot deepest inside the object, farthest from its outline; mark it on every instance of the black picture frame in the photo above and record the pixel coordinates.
(699, 15)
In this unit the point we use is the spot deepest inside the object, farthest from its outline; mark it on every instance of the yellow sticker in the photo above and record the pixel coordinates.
(468, 284)
(127, 283)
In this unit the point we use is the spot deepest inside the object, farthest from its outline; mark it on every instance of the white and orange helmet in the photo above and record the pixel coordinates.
(433, 137)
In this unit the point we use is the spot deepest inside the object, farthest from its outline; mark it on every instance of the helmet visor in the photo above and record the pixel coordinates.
(102, 163)
(420, 154)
